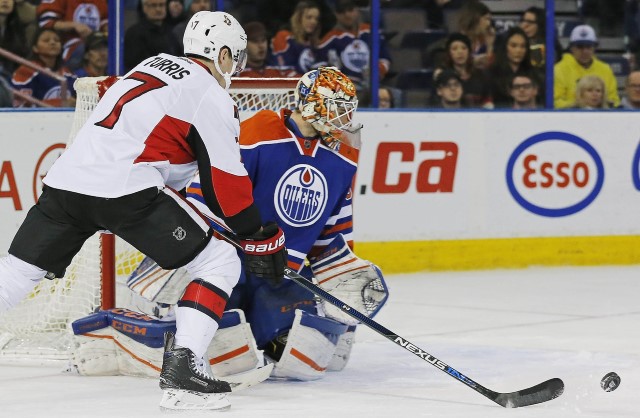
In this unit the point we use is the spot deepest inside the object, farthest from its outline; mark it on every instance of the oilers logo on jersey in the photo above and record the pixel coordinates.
(301, 195)
(89, 15)
(356, 56)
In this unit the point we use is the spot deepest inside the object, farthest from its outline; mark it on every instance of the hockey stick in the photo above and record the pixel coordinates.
(539, 393)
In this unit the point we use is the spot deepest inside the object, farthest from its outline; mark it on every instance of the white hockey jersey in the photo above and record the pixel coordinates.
(165, 120)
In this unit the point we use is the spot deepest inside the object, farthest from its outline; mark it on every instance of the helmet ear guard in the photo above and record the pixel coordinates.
(327, 99)
(208, 33)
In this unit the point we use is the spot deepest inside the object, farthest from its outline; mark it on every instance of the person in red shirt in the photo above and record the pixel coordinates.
(75, 20)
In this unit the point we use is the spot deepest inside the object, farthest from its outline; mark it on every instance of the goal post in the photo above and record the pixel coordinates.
(37, 331)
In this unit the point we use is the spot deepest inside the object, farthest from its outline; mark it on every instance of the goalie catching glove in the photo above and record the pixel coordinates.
(355, 281)
(264, 252)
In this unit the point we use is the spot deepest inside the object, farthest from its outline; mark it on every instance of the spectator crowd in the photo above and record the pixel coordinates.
(475, 64)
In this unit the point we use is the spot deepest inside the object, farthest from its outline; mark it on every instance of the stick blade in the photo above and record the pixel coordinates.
(539, 393)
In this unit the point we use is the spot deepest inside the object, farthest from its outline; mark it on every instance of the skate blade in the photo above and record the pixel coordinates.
(175, 400)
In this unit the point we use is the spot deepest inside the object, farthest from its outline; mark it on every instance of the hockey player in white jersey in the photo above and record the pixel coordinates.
(163, 121)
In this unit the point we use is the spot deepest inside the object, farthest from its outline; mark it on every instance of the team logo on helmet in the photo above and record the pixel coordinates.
(301, 195)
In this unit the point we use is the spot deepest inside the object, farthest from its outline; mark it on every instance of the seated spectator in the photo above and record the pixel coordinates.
(581, 61)
(192, 8)
(474, 20)
(512, 57)
(96, 54)
(13, 34)
(257, 50)
(449, 90)
(523, 89)
(175, 13)
(296, 46)
(150, 36)
(385, 98)
(46, 52)
(632, 92)
(74, 20)
(276, 14)
(533, 23)
(590, 93)
(474, 82)
(28, 17)
(346, 46)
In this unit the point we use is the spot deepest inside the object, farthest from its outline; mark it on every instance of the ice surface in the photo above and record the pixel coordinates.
(506, 329)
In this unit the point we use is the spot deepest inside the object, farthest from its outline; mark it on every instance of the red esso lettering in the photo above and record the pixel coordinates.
(435, 171)
(546, 174)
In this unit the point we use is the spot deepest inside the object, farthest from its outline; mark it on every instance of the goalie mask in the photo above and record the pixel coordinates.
(327, 99)
(207, 33)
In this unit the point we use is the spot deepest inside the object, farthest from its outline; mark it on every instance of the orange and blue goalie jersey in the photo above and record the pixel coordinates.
(298, 182)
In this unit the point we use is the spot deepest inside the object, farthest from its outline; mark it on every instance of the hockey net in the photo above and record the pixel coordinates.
(37, 330)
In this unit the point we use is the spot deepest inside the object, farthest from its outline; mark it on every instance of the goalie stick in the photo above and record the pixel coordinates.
(539, 393)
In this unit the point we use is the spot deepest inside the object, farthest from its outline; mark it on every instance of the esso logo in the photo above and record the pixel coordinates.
(554, 174)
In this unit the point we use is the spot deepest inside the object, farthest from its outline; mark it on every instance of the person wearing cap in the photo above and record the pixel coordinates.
(257, 53)
(96, 54)
(346, 46)
(579, 62)
(449, 90)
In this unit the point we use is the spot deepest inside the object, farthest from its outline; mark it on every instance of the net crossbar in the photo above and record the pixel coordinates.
(37, 331)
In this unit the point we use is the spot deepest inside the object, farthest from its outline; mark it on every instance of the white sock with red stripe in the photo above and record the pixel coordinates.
(199, 310)
(195, 330)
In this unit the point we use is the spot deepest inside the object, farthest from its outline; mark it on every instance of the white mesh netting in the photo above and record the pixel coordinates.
(37, 330)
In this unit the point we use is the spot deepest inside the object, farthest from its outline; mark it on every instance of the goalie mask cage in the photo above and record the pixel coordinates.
(37, 331)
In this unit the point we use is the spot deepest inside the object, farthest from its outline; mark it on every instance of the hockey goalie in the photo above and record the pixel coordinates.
(302, 164)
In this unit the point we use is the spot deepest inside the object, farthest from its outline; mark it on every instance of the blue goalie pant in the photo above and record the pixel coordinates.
(269, 309)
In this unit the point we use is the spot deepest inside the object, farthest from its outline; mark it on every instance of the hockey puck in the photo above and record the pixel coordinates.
(610, 382)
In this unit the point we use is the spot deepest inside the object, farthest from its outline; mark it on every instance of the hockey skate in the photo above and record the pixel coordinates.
(188, 383)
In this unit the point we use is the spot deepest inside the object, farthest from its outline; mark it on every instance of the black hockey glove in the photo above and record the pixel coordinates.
(264, 253)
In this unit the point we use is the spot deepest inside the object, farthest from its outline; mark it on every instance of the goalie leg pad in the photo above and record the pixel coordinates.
(357, 282)
(233, 349)
(118, 341)
(309, 348)
(155, 284)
